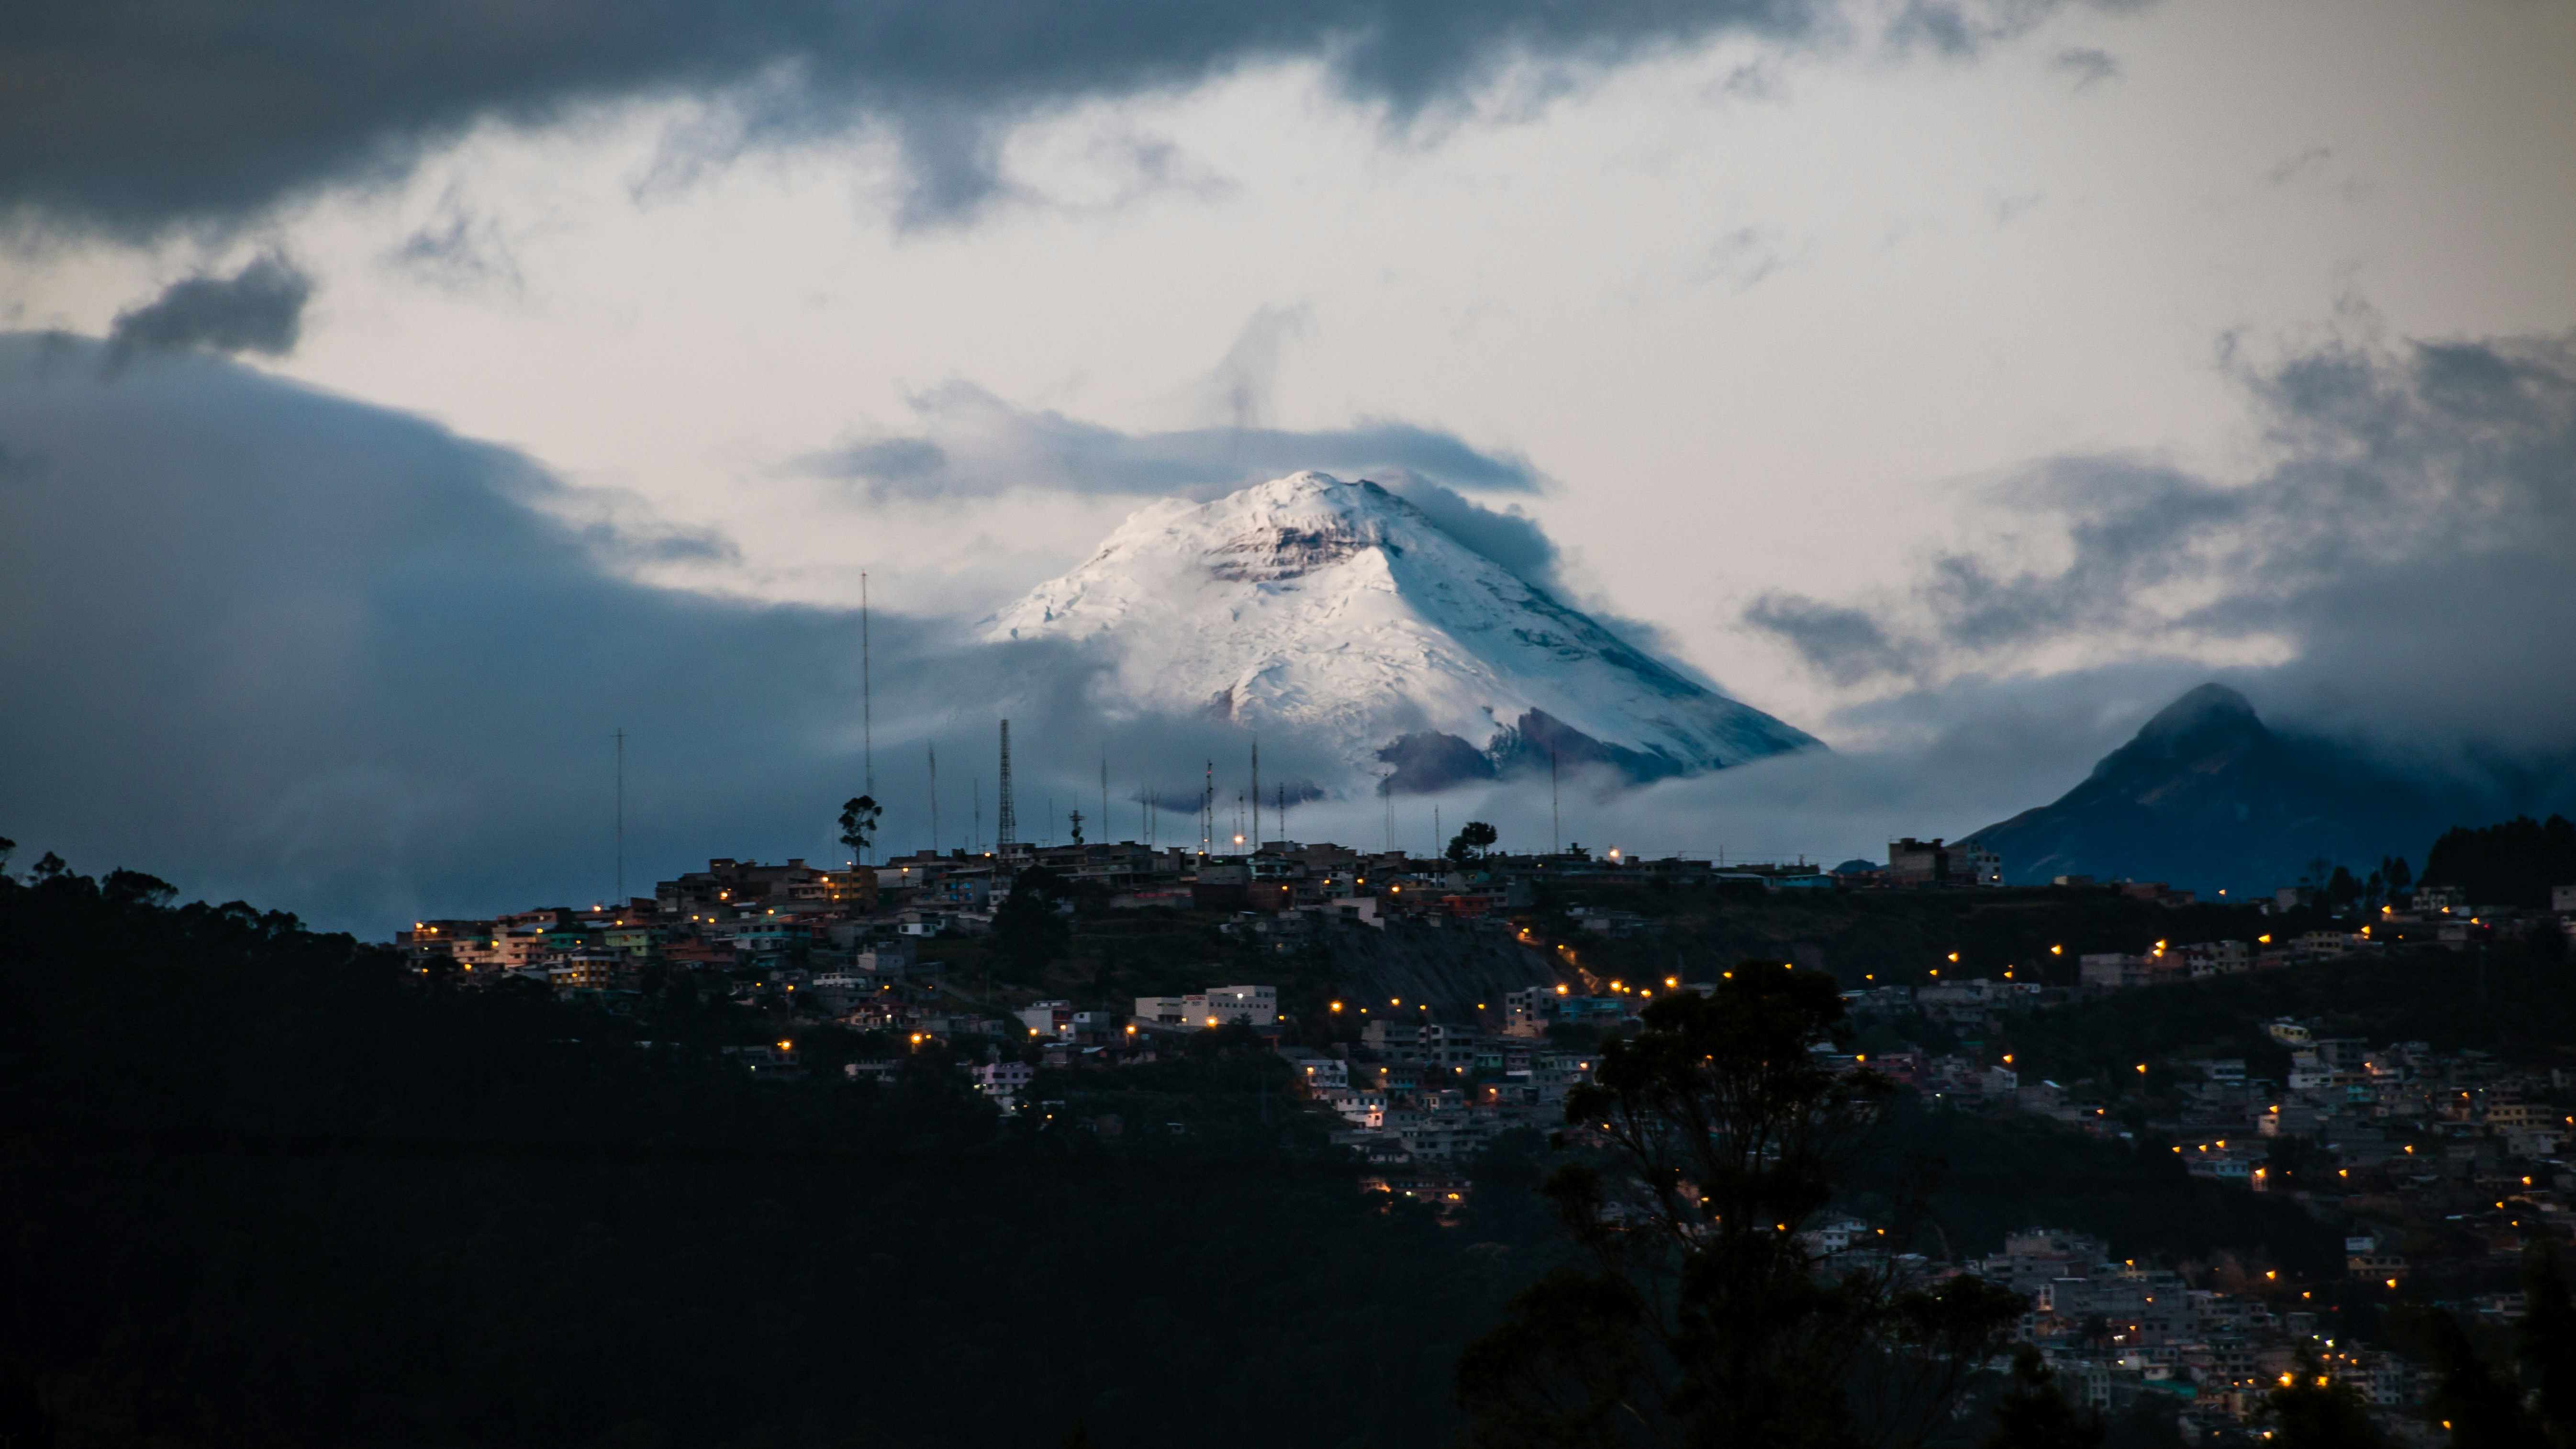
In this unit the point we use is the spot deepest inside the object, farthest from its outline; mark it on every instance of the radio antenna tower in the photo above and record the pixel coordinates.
(1103, 817)
(1386, 793)
(1555, 822)
(867, 698)
(621, 820)
(1006, 825)
(934, 797)
(1282, 822)
(1256, 792)
(1207, 810)
(975, 843)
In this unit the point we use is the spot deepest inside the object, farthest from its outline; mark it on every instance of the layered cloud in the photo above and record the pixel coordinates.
(138, 116)
(2402, 561)
(970, 443)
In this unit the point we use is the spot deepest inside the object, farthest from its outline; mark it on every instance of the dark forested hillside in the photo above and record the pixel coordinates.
(2511, 864)
(266, 1186)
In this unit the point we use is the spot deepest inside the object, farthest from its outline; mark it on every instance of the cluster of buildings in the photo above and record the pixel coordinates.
(737, 914)
(2434, 916)
(1420, 1093)
(743, 914)
(2114, 1331)
(2451, 1163)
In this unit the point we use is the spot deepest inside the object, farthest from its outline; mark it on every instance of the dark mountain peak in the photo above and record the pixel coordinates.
(2208, 725)
(2206, 796)
(2212, 706)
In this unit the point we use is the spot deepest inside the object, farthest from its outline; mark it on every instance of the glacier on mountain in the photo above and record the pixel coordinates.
(1341, 610)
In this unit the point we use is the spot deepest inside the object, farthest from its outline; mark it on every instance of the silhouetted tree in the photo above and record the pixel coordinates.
(859, 825)
(2512, 864)
(2548, 1345)
(2316, 1411)
(2035, 1415)
(2482, 1410)
(1698, 1315)
(1472, 841)
(1028, 930)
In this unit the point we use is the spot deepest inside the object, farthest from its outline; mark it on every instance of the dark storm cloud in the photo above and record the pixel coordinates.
(134, 117)
(257, 309)
(2413, 546)
(975, 444)
(270, 643)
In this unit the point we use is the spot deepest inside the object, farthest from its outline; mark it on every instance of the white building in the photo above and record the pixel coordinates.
(1247, 1005)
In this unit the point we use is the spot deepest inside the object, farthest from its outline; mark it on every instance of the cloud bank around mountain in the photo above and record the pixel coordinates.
(2405, 553)
(973, 444)
(271, 643)
(278, 644)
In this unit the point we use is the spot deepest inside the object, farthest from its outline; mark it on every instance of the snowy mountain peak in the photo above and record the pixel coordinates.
(1340, 608)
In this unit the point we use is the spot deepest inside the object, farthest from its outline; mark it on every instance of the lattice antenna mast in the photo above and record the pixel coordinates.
(1006, 824)
(867, 698)
(934, 797)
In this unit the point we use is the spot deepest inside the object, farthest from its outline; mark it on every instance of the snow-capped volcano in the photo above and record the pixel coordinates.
(1343, 610)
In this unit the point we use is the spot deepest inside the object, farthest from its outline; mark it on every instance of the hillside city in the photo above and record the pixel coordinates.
(2435, 1167)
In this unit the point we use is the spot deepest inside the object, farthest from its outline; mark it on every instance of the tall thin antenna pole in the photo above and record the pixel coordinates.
(1256, 792)
(1282, 812)
(1207, 810)
(1104, 796)
(1555, 820)
(1386, 794)
(976, 845)
(934, 797)
(867, 697)
(1435, 830)
(1006, 824)
(621, 819)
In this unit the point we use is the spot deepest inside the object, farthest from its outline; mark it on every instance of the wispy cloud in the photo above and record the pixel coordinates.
(2291, 168)
(2086, 67)
(969, 443)
(458, 248)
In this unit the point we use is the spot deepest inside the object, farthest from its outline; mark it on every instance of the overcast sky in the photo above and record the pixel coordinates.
(1904, 367)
